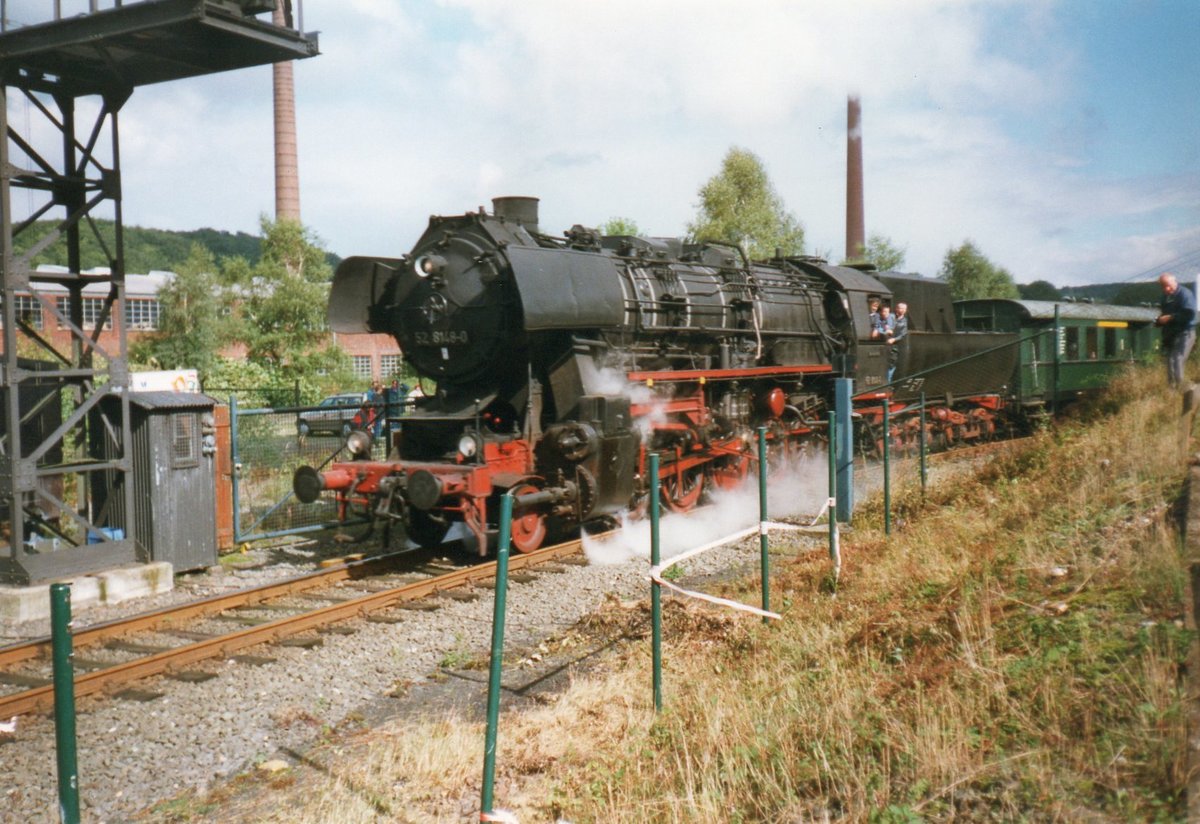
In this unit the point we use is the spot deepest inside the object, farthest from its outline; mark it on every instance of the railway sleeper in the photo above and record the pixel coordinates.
(139, 695)
(337, 629)
(140, 649)
(192, 676)
(16, 679)
(253, 660)
(302, 641)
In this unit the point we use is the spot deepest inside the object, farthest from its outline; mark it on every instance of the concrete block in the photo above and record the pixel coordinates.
(32, 603)
(117, 585)
(24, 603)
(85, 592)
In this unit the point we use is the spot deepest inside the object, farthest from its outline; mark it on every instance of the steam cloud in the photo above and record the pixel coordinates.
(799, 488)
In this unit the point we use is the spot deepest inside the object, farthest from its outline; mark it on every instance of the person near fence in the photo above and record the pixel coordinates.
(375, 409)
(898, 338)
(394, 406)
(1177, 319)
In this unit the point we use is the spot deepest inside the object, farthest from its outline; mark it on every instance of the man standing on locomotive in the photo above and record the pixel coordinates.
(1178, 322)
(897, 338)
(883, 323)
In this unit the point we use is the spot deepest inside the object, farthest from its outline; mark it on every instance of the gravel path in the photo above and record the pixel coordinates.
(132, 754)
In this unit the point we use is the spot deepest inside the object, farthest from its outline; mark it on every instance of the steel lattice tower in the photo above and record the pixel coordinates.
(58, 446)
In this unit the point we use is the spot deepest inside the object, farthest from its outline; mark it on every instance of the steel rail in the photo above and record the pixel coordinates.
(212, 605)
(39, 698)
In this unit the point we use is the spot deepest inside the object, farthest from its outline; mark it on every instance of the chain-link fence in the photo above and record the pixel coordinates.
(273, 397)
(270, 444)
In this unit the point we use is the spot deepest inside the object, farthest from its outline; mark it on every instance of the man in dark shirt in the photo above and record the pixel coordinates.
(1178, 322)
(897, 338)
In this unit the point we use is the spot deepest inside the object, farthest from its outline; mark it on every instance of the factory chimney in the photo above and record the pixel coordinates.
(287, 172)
(855, 221)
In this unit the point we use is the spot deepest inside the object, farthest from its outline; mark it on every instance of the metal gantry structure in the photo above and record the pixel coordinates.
(65, 486)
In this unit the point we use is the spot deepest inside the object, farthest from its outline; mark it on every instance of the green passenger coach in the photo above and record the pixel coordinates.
(1093, 342)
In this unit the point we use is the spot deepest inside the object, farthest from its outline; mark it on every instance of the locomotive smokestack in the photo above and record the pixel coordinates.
(856, 233)
(523, 210)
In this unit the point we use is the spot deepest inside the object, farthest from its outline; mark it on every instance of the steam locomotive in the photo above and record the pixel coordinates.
(561, 363)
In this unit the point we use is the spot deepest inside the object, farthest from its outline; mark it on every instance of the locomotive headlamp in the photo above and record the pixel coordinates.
(468, 445)
(429, 265)
(358, 443)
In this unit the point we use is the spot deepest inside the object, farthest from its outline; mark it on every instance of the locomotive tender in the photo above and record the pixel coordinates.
(560, 364)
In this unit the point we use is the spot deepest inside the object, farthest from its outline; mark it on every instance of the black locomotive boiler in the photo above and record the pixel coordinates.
(561, 363)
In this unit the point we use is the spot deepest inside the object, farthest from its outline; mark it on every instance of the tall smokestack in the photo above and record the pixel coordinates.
(856, 233)
(287, 170)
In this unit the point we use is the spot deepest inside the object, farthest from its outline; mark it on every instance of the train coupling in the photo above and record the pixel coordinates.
(308, 483)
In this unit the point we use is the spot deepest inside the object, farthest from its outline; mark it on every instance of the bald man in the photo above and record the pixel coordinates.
(1178, 322)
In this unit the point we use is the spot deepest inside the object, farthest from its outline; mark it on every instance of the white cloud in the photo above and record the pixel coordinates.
(626, 107)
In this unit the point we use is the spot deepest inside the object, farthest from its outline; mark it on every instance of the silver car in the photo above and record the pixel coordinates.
(334, 415)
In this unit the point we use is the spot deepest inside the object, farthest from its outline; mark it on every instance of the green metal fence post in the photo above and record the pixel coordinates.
(762, 521)
(235, 464)
(921, 440)
(887, 468)
(493, 707)
(1057, 359)
(64, 703)
(835, 555)
(655, 589)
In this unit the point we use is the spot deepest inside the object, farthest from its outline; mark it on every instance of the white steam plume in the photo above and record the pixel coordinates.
(799, 488)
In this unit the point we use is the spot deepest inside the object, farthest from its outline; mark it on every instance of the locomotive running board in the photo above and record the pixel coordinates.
(730, 374)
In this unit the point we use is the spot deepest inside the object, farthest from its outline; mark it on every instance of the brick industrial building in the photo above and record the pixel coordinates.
(372, 357)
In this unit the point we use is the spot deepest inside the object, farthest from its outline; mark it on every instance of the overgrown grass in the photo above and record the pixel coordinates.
(1013, 653)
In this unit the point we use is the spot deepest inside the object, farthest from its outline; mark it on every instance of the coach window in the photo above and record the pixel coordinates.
(1110, 343)
(1093, 343)
(1072, 342)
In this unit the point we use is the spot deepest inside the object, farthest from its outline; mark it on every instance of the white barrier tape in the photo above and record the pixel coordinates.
(656, 571)
(766, 526)
(824, 508)
(712, 599)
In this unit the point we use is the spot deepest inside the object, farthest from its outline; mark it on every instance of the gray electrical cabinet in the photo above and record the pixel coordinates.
(174, 518)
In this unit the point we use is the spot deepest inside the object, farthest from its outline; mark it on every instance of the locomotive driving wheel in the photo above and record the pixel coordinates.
(528, 526)
(681, 489)
(729, 472)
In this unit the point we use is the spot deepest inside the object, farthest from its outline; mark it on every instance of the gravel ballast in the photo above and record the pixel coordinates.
(134, 754)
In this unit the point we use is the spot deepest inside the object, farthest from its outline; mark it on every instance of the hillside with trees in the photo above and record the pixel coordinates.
(146, 249)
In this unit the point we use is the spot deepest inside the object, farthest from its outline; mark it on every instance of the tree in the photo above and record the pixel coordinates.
(971, 275)
(882, 253)
(282, 318)
(289, 245)
(620, 227)
(739, 206)
(1138, 294)
(1039, 290)
(191, 330)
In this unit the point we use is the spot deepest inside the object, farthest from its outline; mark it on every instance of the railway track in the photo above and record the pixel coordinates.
(256, 614)
(259, 618)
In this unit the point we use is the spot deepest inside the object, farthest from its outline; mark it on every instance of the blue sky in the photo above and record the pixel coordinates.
(1063, 138)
